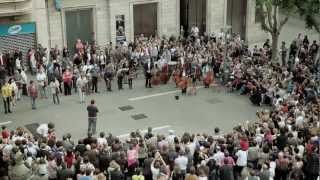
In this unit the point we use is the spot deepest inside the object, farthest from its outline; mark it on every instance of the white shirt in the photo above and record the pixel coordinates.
(18, 63)
(192, 147)
(102, 141)
(218, 157)
(182, 162)
(24, 77)
(155, 172)
(242, 158)
(41, 77)
(43, 130)
(81, 82)
(299, 120)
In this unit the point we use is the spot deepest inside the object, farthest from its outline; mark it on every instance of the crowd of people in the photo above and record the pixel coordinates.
(282, 144)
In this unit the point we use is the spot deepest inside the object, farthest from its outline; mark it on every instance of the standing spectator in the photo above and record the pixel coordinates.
(241, 161)
(42, 83)
(108, 74)
(120, 75)
(92, 117)
(33, 93)
(81, 85)
(54, 85)
(148, 68)
(6, 93)
(32, 61)
(67, 81)
(95, 75)
(130, 77)
(3, 74)
(283, 52)
(24, 81)
(313, 164)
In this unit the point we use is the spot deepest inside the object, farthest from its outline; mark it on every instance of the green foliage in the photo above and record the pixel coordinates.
(268, 11)
(310, 11)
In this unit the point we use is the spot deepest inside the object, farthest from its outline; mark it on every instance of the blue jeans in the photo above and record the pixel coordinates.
(92, 123)
(33, 102)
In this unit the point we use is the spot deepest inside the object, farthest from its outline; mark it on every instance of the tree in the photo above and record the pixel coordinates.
(310, 11)
(270, 19)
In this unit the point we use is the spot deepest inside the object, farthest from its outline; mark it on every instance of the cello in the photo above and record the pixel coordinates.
(208, 79)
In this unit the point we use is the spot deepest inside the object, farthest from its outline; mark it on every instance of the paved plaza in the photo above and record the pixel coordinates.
(124, 111)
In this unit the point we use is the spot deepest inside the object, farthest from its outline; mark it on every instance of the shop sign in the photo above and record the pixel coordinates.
(15, 29)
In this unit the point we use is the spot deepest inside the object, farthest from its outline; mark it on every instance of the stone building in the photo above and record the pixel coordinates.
(61, 22)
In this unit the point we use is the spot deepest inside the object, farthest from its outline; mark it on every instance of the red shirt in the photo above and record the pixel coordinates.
(33, 92)
(67, 77)
(5, 134)
(244, 144)
(69, 160)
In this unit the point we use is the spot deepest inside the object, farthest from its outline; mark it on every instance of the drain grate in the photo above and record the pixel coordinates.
(214, 101)
(125, 108)
(139, 116)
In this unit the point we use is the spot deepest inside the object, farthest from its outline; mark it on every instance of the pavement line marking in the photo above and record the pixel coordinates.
(145, 130)
(5, 123)
(158, 94)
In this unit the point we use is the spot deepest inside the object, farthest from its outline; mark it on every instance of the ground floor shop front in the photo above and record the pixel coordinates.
(62, 22)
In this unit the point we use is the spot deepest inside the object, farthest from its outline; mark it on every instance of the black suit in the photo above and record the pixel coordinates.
(148, 68)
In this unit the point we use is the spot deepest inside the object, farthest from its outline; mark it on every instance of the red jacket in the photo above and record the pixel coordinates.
(67, 77)
(33, 91)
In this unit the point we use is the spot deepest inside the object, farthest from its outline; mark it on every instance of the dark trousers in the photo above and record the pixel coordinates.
(10, 70)
(148, 80)
(237, 172)
(56, 99)
(6, 103)
(24, 90)
(310, 176)
(108, 84)
(67, 88)
(281, 174)
(130, 83)
(74, 83)
(120, 83)
(92, 124)
(94, 84)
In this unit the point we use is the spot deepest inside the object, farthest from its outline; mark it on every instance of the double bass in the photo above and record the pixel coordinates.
(164, 76)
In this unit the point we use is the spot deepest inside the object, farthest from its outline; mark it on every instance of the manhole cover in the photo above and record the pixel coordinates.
(32, 128)
(214, 101)
(125, 108)
(139, 116)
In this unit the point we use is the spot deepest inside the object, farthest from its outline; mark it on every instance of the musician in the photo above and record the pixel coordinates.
(207, 75)
(183, 84)
(148, 72)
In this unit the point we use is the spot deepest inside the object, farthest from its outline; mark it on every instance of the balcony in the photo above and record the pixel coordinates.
(15, 7)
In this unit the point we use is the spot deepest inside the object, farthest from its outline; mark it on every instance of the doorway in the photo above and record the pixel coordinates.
(145, 18)
(237, 16)
(193, 13)
(79, 25)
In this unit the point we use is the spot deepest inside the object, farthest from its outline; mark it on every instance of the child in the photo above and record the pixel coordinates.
(131, 75)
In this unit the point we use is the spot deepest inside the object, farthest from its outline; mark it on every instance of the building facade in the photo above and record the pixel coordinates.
(61, 22)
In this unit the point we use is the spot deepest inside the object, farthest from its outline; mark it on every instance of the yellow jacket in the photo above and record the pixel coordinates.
(6, 91)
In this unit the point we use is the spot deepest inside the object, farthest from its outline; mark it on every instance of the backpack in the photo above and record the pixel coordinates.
(214, 175)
